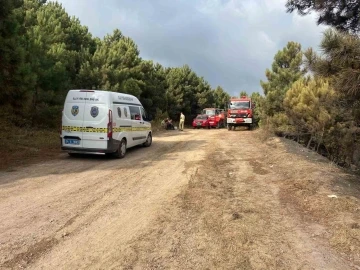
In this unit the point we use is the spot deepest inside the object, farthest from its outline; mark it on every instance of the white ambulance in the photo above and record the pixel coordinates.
(96, 121)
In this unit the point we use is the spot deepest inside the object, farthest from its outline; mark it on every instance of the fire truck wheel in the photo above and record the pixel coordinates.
(229, 127)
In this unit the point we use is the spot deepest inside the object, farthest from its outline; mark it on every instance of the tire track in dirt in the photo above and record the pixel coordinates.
(230, 216)
(285, 239)
(193, 200)
(85, 198)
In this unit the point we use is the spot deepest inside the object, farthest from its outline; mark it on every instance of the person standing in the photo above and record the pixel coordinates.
(182, 121)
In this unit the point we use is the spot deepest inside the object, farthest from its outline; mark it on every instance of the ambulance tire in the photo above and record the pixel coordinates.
(121, 152)
(148, 140)
(229, 127)
(73, 154)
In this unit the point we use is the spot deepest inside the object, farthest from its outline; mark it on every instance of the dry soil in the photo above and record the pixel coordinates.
(197, 199)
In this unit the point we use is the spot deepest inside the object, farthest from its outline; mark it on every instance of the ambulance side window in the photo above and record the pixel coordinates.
(143, 113)
(135, 113)
(125, 112)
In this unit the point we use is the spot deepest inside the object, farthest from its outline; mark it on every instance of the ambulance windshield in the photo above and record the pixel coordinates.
(209, 112)
(239, 104)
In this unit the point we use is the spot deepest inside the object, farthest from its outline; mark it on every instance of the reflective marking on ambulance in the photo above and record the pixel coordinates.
(84, 129)
(101, 130)
(95, 130)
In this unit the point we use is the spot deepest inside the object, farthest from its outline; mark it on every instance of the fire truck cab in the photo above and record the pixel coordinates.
(240, 112)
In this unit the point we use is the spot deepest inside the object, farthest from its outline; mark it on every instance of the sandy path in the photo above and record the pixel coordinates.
(195, 199)
(83, 210)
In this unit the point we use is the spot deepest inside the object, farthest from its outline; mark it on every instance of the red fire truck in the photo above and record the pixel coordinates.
(216, 117)
(240, 113)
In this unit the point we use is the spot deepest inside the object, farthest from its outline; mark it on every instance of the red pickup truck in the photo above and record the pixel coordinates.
(216, 117)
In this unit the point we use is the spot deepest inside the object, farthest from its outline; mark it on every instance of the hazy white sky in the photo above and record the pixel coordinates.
(228, 42)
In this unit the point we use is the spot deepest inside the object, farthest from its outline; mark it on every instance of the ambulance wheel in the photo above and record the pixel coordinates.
(148, 141)
(72, 154)
(120, 153)
(229, 127)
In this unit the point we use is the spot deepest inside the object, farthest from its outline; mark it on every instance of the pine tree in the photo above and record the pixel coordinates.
(153, 92)
(56, 45)
(286, 69)
(257, 101)
(14, 71)
(243, 94)
(115, 66)
(181, 93)
(44, 52)
(339, 64)
(309, 104)
(221, 97)
(343, 15)
(204, 95)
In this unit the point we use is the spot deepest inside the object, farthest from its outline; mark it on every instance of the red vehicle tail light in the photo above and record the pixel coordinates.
(62, 113)
(110, 127)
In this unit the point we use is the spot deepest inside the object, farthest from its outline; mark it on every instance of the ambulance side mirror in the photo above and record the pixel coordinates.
(148, 118)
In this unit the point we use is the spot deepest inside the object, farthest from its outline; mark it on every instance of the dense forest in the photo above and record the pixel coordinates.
(315, 99)
(44, 52)
(309, 97)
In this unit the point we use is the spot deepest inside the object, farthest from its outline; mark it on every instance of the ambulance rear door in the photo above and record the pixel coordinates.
(73, 119)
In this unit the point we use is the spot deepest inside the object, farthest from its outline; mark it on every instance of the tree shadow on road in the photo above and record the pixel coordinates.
(136, 157)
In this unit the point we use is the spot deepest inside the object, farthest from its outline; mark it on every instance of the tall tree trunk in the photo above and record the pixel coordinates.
(34, 105)
(309, 143)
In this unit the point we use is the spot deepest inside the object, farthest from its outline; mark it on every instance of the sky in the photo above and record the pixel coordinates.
(228, 42)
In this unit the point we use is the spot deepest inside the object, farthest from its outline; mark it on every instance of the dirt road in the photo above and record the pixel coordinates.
(198, 199)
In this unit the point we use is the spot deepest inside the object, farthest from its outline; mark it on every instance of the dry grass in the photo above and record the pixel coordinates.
(226, 220)
(204, 226)
(265, 133)
(308, 179)
(22, 146)
(254, 210)
(156, 126)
